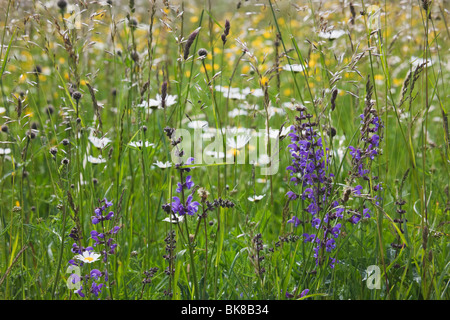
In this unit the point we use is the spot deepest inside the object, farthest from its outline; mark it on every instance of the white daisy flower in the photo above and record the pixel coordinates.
(157, 103)
(99, 142)
(264, 159)
(258, 93)
(208, 135)
(162, 165)
(88, 257)
(293, 67)
(415, 61)
(234, 95)
(331, 35)
(2, 110)
(173, 220)
(341, 148)
(95, 160)
(256, 198)
(5, 151)
(221, 88)
(291, 105)
(238, 142)
(274, 110)
(198, 124)
(247, 106)
(237, 112)
(138, 144)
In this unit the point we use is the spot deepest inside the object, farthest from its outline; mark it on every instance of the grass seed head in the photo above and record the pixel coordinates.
(62, 5)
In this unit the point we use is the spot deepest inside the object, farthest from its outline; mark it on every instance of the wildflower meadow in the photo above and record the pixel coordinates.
(224, 150)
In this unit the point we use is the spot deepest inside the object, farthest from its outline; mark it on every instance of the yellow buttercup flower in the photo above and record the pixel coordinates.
(264, 81)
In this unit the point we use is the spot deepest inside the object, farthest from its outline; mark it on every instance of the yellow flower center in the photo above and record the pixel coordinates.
(88, 259)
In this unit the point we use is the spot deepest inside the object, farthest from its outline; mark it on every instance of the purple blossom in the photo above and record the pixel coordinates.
(96, 288)
(312, 208)
(315, 223)
(330, 244)
(187, 185)
(95, 220)
(304, 293)
(114, 230)
(191, 206)
(80, 293)
(108, 203)
(377, 187)
(375, 140)
(355, 218)
(177, 206)
(357, 189)
(309, 237)
(355, 153)
(109, 215)
(292, 195)
(332, 262)
(361, 171)
(339, 212)
(295, 221)
(308, 193)
(73, 262)
(97, 237)
(95, 274)
(336, 230)
(289, 295)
